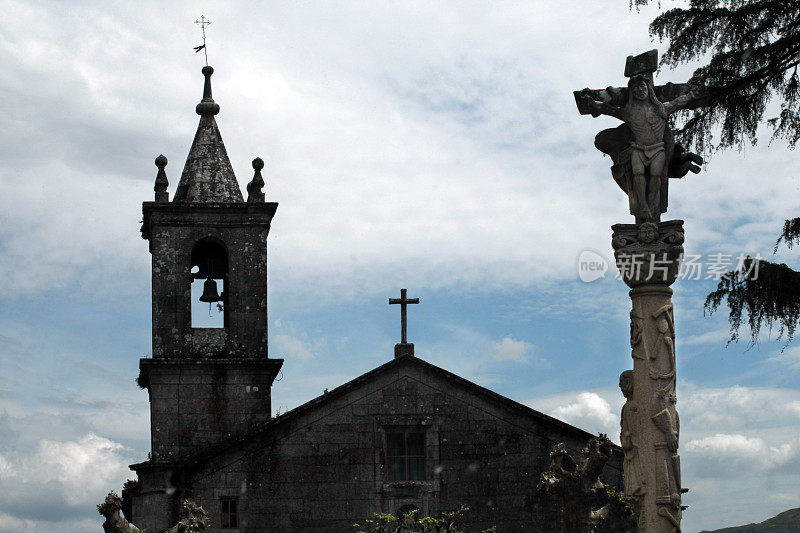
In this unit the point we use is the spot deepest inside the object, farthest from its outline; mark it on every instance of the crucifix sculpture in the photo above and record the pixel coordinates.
(648, 255)
(404, 347)
(643, 149)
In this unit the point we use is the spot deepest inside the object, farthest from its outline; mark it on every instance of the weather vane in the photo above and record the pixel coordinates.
(203, 23)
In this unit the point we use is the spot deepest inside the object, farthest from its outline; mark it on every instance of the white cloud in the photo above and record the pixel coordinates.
(84, 468)
(509, 349)
(729, 448)
(591, 412)
(738, 407)
(728, 444)
(80, 472)
(54, 484)
(740, 435)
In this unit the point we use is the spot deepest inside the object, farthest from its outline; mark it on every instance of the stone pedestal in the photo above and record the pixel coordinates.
(404, 349)
(648, 256)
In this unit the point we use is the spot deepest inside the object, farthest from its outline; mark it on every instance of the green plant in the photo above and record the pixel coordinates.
(448, 522)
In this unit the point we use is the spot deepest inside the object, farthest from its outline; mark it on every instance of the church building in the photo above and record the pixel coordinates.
(406, 435)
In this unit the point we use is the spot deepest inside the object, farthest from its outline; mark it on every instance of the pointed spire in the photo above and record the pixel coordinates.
(161, 180)
(208, 176)
(254, 192)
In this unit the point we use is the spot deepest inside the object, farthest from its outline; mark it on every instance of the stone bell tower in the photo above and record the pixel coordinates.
(205, 384)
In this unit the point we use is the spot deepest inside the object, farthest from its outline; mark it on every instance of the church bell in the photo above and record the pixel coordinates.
(210, 293)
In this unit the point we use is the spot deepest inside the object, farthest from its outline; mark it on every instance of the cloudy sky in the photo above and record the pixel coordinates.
(433, 146)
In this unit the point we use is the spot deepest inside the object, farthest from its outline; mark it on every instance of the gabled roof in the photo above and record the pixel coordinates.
(267, 427)
(208, 176)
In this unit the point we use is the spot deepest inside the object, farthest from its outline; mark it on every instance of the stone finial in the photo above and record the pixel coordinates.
(161, 180)
(207, 106)
(254, 192)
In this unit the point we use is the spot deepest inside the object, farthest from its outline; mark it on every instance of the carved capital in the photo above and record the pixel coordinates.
(648, 253)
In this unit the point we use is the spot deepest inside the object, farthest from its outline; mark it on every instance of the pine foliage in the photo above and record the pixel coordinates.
(761, 293)
(790, 234)
(754, 50)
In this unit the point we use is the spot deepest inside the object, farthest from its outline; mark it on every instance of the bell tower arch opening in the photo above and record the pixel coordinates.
(209, 291)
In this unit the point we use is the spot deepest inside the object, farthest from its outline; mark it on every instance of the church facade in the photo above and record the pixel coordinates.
(406, 435)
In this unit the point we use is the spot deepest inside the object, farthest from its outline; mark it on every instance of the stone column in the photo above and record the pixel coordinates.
(648, 256)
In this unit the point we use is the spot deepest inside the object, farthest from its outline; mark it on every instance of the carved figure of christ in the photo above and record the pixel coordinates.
(647, 118)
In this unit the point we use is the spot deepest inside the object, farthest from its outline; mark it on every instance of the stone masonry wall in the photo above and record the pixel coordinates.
(198, 403)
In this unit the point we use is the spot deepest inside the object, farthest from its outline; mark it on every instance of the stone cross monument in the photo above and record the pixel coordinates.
(648, 254)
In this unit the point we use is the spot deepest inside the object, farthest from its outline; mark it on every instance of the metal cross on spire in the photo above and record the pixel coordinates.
(203, 21)
(403, 301)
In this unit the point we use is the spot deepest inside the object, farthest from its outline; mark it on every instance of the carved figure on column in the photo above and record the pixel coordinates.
(669, 472)
(643, 149)
(630, 433)
(636, 337)
(662, 354)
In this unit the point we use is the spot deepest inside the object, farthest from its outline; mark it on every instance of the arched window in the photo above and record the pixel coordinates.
(210, 278)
